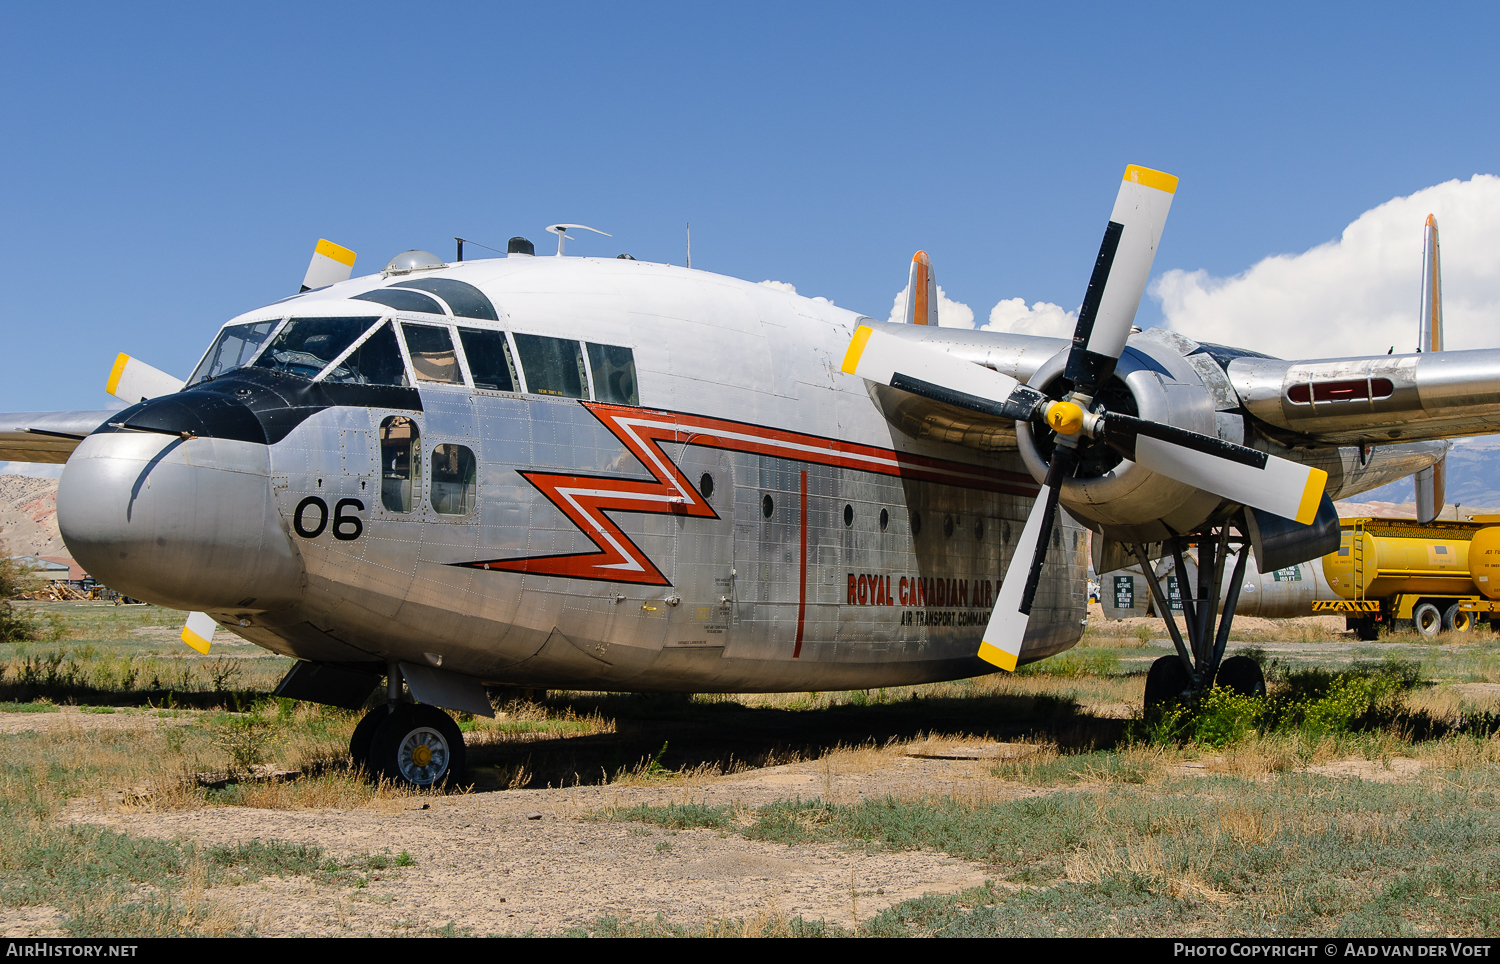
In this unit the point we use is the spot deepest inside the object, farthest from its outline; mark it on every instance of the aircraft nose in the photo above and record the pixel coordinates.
(186, 523)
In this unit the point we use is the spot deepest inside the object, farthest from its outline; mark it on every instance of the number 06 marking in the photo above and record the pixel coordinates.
(300, 523)
(341, 521)
(346, 528)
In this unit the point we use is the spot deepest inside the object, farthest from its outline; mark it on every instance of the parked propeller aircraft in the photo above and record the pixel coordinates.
(613, 474)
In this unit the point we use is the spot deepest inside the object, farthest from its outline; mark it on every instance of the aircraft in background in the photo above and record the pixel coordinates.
(603, 473)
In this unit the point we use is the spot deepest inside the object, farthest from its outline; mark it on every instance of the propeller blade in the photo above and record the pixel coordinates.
(330, 264)
(132, 380)
(198, 632)
(922, 370)
(1001, 645)
(1257, 479)
(1120, 275)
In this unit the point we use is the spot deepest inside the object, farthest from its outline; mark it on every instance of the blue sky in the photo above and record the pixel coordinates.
(169, 167)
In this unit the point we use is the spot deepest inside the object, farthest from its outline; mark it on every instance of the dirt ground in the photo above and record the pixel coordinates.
(542, 861)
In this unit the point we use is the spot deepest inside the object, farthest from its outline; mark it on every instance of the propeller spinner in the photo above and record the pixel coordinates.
(1233, 472)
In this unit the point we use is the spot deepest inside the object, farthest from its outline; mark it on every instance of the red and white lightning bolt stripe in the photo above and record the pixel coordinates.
(586, 499)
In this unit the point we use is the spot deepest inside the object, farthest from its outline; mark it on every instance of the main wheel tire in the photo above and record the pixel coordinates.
(419, 746)
(1457, 620)
(364, 736)
(1166, 681)
(1242, 675)
(1427, 619)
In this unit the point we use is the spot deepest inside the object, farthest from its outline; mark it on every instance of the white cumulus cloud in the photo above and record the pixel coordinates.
(1042, 318)
(1358, 294)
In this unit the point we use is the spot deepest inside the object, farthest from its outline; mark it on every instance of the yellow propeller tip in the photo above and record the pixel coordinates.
(996, 656)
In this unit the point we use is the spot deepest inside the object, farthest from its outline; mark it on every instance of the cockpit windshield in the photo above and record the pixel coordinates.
(306, 345)
(234, 348)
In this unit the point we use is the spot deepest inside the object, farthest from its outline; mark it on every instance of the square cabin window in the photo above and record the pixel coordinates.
(432, 355)
(489, 359)
(453, 480)
(553, 366)
(614, 374)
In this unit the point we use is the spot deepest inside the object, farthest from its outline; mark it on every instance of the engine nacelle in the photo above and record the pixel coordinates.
(1153, 381)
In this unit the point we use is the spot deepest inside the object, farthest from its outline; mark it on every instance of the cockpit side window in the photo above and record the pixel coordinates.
(553, 366)
(402, 300)
(432, 355)
(489, 359)
(466, 300)
(400, 462)
(234, 348)
(614, 374)
(377, 361)
(306, 345)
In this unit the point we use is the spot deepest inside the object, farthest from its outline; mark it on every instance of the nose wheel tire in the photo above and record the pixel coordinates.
(1428, 620)
(419, 746)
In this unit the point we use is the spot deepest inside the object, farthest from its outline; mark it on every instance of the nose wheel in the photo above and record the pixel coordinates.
(416, 745)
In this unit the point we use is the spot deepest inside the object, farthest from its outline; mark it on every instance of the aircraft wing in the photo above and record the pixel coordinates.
(1378, 399)
(1344, 401)
(46, 436)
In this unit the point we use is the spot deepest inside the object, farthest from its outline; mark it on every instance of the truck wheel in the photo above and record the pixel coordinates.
(1427, 619)
(1458, 620)
(1242, 675)
(1166, 681)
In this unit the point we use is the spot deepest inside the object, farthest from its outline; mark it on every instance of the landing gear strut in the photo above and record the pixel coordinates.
(408, 743)
(1200, 658)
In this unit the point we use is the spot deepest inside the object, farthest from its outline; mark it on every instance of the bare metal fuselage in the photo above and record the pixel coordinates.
(832, 552)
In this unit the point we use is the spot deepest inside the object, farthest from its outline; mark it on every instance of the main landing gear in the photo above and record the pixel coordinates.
(408, 743)
(1199, 662)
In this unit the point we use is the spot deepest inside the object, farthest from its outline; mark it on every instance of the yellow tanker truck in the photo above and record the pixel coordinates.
(1392, 573)
(1400, 574)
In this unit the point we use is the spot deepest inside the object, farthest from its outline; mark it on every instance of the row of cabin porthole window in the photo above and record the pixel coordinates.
(768, 509)
(454, 484)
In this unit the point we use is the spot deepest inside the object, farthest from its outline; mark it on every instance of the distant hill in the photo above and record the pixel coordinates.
(28, 516)
(1473, 478)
